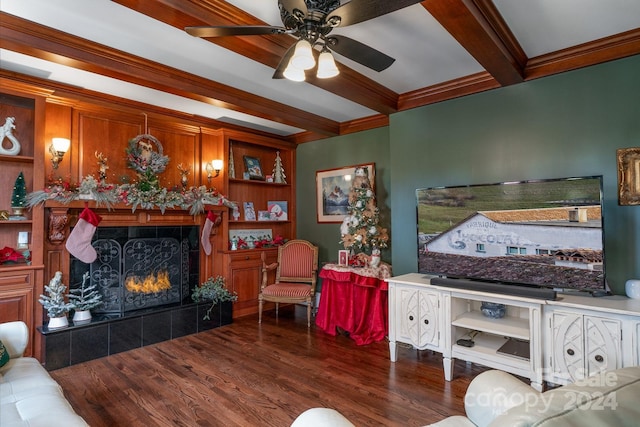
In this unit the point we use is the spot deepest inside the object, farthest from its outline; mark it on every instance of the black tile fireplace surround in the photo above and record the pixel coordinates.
(127, 321)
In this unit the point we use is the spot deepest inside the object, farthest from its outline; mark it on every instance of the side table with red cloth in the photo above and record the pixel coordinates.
(356, 300)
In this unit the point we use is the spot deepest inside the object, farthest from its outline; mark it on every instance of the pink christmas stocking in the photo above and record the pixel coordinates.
(211, 220)
(79, 241)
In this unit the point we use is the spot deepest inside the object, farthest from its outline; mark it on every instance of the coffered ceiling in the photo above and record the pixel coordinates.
(137, 52)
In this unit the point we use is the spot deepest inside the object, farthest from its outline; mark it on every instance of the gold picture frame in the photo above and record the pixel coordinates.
(333, 207)
(628, 176)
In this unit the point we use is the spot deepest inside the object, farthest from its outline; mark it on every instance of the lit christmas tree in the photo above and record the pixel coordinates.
(360, 230)
(19, 196)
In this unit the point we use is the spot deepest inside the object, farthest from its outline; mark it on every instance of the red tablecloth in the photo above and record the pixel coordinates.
(354, 299)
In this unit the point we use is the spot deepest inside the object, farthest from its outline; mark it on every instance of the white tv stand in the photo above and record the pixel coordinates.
(569, 338)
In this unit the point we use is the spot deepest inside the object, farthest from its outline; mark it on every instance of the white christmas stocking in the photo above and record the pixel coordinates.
(79, 241)
(211, 220)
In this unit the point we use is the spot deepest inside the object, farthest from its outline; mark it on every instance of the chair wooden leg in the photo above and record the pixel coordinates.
(260, 310)
(277, 306)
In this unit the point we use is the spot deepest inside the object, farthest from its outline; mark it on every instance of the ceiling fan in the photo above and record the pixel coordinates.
(312, 21)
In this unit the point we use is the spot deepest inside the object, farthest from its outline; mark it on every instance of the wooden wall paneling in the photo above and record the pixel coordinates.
(58, 121)
(107, 133)
(211, 148)
(179, 143)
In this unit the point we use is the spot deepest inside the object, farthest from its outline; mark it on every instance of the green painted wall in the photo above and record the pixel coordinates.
(363, 147)
(566, 125)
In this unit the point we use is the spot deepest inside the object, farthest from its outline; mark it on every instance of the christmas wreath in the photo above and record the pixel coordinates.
(142, 157)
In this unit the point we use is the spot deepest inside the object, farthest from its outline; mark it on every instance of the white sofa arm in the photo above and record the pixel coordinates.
(15, 337)
(492, 393)
(321, 417)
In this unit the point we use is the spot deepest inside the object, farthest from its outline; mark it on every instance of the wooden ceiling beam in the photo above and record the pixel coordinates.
(479, 28)
(267, 50)
(29, 38)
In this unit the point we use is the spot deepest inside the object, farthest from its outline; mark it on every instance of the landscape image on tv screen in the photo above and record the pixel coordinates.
(541, 233)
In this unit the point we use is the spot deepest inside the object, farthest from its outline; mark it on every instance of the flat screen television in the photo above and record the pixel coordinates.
(537, 233)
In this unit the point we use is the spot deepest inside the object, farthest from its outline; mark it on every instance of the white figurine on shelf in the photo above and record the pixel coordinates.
(6, 131)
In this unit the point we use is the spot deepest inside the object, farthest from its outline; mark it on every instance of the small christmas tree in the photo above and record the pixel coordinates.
(85, 297)
(19, 195)
(278, 171)
(53, 301)
(360, 230)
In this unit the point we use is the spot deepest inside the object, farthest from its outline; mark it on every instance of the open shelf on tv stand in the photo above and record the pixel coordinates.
(521, 322)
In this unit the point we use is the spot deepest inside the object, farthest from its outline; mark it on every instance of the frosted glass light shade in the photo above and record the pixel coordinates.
(61, 145)
(327, 66)
(217, 165)
(294, 73)
(303, 57)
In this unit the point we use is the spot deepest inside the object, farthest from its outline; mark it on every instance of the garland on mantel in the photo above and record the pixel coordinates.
(193, 198)
(146, 193)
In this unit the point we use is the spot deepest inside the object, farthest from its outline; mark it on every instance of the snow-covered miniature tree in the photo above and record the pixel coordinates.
(54, 301)
(360, 230)
(85, 297)
(278, 170)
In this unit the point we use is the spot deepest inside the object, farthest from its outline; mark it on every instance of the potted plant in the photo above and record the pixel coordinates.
(54, 302)
(213, 290)
(84, 299)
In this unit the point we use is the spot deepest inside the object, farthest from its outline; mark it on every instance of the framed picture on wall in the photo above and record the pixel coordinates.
(332, 190)
(628, 176)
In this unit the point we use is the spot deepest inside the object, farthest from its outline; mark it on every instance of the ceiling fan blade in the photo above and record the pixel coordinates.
(362, 10)
(282, 65)
(240, 30)
(359, 52)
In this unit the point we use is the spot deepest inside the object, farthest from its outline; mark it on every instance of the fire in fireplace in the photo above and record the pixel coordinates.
(140, 268)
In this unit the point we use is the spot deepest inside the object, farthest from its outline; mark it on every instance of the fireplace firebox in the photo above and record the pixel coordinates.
(141, 268)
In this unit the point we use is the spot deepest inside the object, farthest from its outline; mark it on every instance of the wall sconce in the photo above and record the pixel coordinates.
(213, 166)
(58, 147)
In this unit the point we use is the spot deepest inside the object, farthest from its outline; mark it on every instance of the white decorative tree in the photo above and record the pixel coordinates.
(85, 297)
(54, 301)
(360, 230)
(278, 170)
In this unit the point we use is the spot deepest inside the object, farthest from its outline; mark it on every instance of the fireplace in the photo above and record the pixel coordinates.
(140, 268)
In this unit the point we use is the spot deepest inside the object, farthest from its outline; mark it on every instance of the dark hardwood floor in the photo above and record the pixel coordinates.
(247, 374)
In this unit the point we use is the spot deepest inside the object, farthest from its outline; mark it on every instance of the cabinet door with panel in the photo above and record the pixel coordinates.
(582, 345)
(418, 317)
(244, 273)
(414, 318)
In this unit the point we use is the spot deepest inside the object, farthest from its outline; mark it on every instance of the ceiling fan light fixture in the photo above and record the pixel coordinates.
(326, 65)
(293, 73)
(303, 57)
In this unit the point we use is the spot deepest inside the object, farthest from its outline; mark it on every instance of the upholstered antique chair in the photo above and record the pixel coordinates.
(295, 280)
